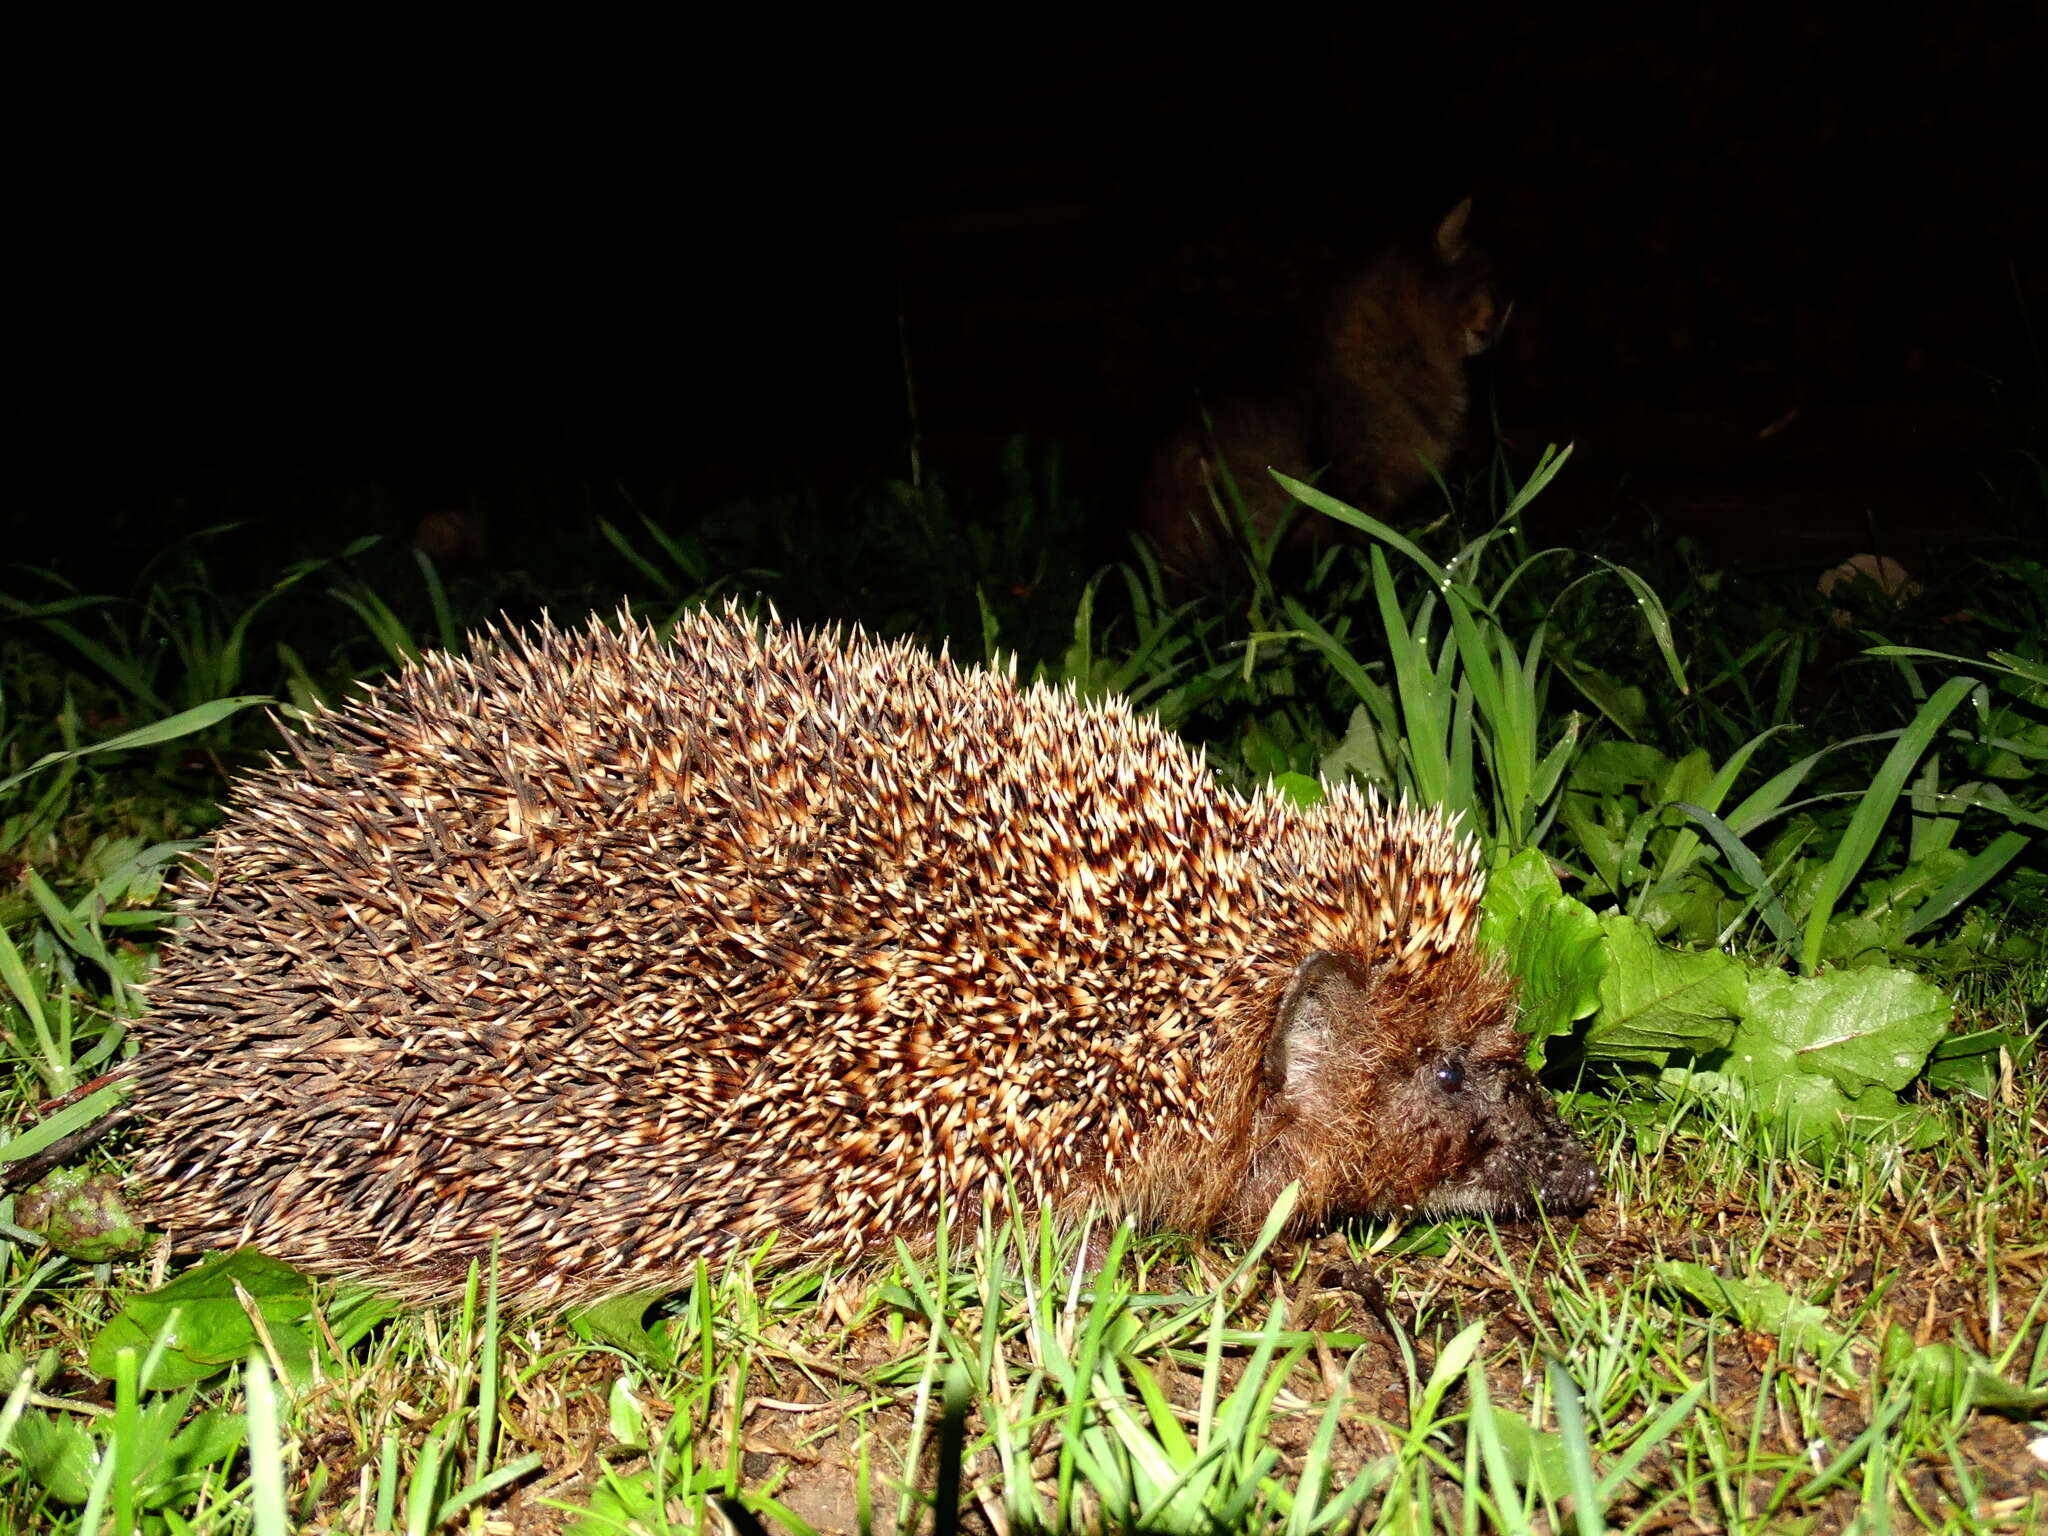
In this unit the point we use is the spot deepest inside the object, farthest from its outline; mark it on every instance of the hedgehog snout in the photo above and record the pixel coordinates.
(1520, 1155)
(1567, 1180)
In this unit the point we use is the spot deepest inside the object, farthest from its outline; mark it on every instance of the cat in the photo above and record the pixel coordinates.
(1376, 396)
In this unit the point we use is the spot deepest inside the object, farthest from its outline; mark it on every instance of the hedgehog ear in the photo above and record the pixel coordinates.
(1325, 988)
(1450, 235)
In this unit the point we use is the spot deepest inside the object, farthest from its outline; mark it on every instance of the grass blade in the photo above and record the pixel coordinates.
(266, 1450)
(1875, 809)
(1982, 868)
(184, 723)
(1748, 868)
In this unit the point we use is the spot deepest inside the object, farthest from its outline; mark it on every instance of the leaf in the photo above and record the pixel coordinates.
(1551, 941)
(203, 1323)
(71, 1118)
(1330, 506)
(1654, 1001)
(1764, 1306)
(1748, 871)
(621, 1321)
(619, 1503)
(59, 1453)
(158, 1458)
(627, 1419)
(1945, 1377)
(1618, 769)
(1299, 788)
(1690, 778)
(210, 1438)
(1874, 808)
(1966, 881)
(355, 1310)
(1548, 463)
(1969, 1063)
(1535, 1456)
(1361, 754)
(1858, 1028)
(1826, 1055)
(1623, 703)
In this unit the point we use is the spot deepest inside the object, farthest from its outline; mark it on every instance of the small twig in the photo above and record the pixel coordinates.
(66, 1405)
(327, 1333)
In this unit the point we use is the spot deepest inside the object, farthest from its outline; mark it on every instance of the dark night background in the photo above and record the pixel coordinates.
(687, 262)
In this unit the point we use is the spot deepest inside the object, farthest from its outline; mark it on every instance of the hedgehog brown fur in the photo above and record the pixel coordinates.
(624, 951)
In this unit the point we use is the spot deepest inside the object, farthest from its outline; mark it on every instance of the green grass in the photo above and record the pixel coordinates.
(1461, 1378)
(1753, 1330)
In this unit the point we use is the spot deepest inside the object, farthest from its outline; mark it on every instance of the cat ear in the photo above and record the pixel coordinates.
(1325, 988)
(1450, 235)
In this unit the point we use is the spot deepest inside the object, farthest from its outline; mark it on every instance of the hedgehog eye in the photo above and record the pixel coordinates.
(1450, 1074)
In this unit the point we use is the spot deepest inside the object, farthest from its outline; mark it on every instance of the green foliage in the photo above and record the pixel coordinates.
(1553, 943)
(1822, 1054)
(621, 1322)
(1463, 720)
(1939, 1375)
(1656, 1002)
(60, 1123)
(210, 1317)
(158, 1453)
(1829, 1053)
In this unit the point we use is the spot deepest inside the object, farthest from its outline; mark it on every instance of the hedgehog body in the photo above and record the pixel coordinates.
(617, 952)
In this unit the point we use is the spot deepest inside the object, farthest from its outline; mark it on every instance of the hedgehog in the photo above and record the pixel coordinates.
(594, 953)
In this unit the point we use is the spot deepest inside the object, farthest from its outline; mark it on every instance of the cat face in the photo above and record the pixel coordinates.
(1465, 281)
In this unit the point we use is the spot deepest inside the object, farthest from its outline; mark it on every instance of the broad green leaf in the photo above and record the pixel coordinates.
(1535, 1456)
(1618, 768)
(59, 1453)
(1299, 788)
(1970, 1062)
(1654, 1000)
(1360, 754)
(1551, 941)
(1965, 881)
(1946, 1377)
(621, 1321)
(1690, 778)
(203, 1323)
(1858, 1028)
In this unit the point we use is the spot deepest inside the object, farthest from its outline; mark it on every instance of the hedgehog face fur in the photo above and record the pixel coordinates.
(1352, 1052)
(619, 952)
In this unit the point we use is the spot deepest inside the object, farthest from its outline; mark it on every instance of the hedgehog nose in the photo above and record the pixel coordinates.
(1568, 1180)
